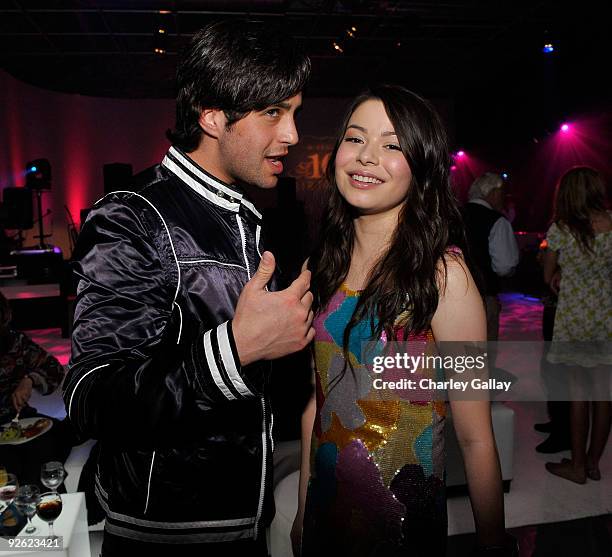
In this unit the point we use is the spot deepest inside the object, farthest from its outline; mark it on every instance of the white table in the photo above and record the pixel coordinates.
(71, 525)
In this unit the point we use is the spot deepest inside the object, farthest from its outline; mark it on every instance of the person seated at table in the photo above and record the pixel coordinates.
(24, 366)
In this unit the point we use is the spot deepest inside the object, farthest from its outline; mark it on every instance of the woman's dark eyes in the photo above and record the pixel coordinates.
(391, 146)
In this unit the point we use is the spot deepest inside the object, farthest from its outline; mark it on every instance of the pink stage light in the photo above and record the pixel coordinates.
(460, 154)
(454, 167)
(565, 128)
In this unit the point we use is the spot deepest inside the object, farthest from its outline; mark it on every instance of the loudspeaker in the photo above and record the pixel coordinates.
(117, 176)
(17, 208)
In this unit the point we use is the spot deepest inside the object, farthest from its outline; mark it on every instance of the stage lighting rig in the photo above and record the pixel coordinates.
(38, 174)
(38, 179)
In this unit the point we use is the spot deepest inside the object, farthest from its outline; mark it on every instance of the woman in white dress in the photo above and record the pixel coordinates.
(580, 244)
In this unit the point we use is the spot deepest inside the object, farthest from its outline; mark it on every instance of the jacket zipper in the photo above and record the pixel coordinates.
(264, 428)
(272, 431)
(243, 240)
(264, 466)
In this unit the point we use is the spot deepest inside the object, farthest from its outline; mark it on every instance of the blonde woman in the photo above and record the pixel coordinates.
(580, 244)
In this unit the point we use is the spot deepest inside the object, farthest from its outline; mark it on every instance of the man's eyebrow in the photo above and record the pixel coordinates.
(364, 130)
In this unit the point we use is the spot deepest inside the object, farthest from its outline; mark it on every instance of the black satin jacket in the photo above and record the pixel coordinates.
(185, 431)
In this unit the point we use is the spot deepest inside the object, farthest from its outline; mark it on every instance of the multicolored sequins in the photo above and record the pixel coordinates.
(377, 464)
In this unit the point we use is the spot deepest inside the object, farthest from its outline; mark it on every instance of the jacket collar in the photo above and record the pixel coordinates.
(205, 184)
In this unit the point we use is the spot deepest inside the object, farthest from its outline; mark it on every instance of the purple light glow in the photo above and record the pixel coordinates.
(565, 128)
(460, 154)
(454, 167)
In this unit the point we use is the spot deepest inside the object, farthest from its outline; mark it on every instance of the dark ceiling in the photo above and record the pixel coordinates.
(470, 51)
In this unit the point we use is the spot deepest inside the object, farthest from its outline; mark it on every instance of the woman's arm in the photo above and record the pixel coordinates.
(308, 418)
(551, 269)
(472, 421)
(43, 369)
(460, 316)
(549, 263)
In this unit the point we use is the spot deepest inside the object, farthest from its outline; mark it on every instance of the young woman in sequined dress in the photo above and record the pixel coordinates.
(389, 266)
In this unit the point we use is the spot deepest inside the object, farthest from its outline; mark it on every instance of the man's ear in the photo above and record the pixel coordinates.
(212, 121)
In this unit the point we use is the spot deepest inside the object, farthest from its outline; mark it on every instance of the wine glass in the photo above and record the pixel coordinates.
(52, 475)
(48, 508)
(26, 500)
(8, 489)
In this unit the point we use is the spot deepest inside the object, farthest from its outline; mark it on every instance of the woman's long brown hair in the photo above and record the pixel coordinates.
(580, 193)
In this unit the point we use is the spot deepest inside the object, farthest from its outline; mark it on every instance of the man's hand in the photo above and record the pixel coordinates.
(268, 325)
(22, 393)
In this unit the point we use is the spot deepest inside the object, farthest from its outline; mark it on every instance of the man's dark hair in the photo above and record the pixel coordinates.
(236, 66)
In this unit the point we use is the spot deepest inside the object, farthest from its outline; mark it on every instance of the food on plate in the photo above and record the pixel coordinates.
(36, 428)
(11, 433)
(15, 432)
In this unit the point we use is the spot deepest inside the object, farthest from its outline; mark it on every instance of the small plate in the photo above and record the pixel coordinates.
(24, 423)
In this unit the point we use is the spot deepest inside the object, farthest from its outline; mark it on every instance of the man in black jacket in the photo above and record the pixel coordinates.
(176, 315)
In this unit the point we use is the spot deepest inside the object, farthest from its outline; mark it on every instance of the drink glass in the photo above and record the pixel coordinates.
(8, 489)
(26, 500)
(52, 475)
(48, 508)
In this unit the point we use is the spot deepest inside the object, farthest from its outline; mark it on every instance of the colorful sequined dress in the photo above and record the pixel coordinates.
(377, 464)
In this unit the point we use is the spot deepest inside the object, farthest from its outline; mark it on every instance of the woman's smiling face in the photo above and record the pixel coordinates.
(372, 174)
